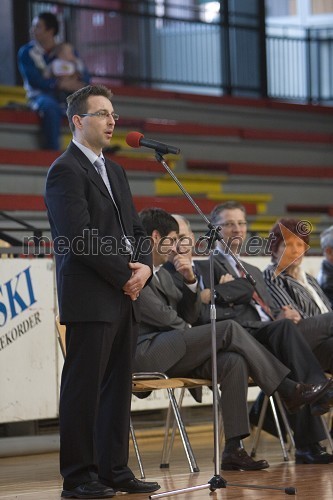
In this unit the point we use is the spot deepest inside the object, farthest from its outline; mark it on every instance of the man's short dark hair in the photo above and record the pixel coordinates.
(228, 205)
(158, 219)
(77, 102)
(50, 20)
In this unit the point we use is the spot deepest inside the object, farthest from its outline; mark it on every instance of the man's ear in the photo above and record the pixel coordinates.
(329, 253)
(155, 235)
(77, 121)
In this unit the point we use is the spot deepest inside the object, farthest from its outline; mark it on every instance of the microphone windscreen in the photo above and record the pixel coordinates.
(133, 139)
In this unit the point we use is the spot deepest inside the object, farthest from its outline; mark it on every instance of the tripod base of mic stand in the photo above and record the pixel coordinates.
(289, 490)
(217, 482)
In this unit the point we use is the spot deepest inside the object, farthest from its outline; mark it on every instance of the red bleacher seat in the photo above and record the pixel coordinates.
(29, 202)
(174, 127)
(44, 158)
(321, 209)
(262, 170)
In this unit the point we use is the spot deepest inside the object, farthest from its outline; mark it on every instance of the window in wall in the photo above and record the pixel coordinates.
(160, 8)
(281, 8)
(209, 11)
(321, 6)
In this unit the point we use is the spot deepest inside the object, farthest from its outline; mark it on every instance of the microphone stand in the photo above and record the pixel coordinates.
(217, 481)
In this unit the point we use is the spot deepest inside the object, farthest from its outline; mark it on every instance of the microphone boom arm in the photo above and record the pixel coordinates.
(214, 231)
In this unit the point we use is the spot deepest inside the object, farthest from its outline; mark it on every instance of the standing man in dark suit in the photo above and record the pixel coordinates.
(95, 229)
(168, 343)
(275, 328)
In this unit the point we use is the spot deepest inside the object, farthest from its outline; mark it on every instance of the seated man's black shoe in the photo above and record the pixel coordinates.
(313, 454)
(323, 405)
(135, 486)
(306, 394)
(239, 460)
(93, 489)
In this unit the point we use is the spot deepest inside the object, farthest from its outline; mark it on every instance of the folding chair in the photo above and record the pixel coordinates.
(275, 398)
(150, 381)
(188, 383)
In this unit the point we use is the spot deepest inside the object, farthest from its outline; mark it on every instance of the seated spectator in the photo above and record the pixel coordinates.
(277, 328)
(325, 276)
(46, 93)
(286, 279)
(168, 343)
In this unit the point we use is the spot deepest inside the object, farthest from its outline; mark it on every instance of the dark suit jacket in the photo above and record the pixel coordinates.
(235, 297)
(224, 310)
(165, 312)
(91, 261)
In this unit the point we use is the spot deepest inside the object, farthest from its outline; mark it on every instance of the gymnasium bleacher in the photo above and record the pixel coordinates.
(272, 157)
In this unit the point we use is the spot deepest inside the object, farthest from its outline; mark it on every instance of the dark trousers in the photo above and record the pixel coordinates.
(288, 344)
(95, 400)
(318, 332)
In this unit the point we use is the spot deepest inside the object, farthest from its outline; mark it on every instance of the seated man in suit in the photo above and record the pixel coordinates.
(168, 343)
(275, 328)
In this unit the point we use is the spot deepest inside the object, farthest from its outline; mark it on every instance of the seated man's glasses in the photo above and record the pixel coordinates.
(232, 224)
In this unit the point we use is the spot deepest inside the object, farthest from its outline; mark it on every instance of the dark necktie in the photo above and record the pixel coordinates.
(99, 164)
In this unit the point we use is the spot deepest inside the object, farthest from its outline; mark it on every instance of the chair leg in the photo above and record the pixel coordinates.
(277, 425)
(327, 431)
(183, 434)
(285, 420)
(137, 451)
(278, 428)
(166, 451)
(168, 442)
(166, 454)
(259, 427)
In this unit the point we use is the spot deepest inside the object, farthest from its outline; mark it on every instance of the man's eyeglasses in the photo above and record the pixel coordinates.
(103, 114)
(231, 224)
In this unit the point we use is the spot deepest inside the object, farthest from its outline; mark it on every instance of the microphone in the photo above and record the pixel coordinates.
(137, 140)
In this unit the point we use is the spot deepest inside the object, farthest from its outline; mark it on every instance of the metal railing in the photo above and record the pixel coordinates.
(132, 44)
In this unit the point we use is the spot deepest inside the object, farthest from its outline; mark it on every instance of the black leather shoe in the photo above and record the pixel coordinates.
(306, 394)
(135, 486)
(240, 460)
(323, 404)
(93, 489)
(313, 454)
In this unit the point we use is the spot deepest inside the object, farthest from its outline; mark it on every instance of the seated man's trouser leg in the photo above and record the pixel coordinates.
(232, 375)
(318, 332)
(287, 343)
(50, 112)
(238, 355)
